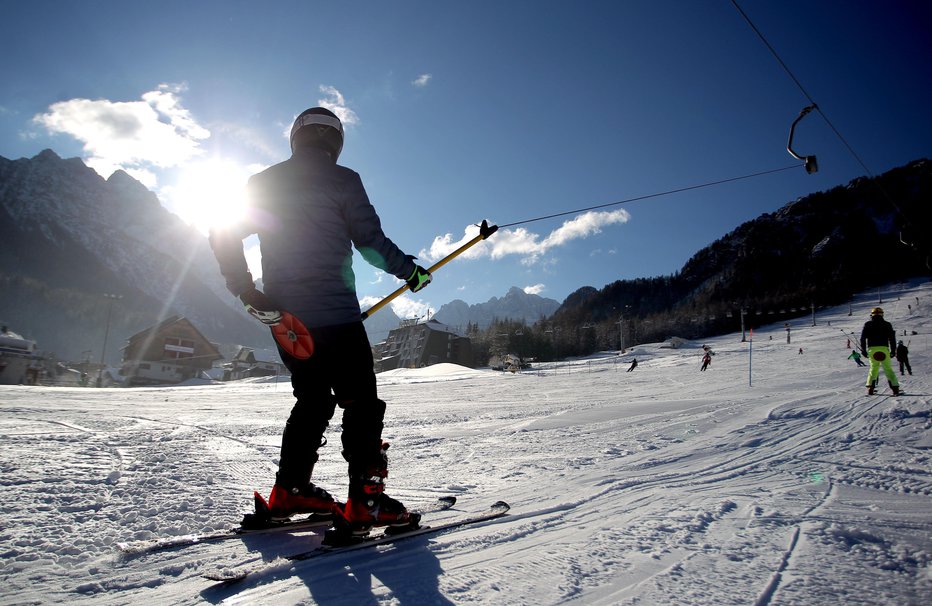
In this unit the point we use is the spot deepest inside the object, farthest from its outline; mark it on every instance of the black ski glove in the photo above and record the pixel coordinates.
(419, 278)
(259, 307)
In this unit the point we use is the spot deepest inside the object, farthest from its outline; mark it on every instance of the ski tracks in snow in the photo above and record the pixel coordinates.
(663, 486)
(740, 492)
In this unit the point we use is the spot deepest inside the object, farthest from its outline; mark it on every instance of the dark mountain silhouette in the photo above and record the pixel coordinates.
(70, 238)
(813, 252)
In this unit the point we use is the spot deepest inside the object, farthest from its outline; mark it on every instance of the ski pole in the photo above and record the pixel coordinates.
(485, 230)
(857, 339)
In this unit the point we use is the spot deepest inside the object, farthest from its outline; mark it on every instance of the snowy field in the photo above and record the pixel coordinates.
(661, 486)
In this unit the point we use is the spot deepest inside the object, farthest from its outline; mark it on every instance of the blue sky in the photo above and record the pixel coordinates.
(461, 111)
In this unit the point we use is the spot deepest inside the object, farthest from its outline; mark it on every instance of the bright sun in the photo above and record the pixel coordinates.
(210, 193)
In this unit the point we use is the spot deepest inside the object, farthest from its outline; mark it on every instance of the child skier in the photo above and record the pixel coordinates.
(902, 356)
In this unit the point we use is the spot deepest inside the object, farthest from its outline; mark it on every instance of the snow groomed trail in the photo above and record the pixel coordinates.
(660, 486)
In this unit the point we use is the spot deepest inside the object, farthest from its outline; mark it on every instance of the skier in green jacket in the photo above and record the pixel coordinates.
(856, 357)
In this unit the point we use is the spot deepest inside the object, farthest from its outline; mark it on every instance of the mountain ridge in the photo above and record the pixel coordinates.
(72, 237)
(813, 251)
(515, 305)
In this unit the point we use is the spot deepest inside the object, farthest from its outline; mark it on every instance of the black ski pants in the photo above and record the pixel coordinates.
(904, 362)
(339, 373)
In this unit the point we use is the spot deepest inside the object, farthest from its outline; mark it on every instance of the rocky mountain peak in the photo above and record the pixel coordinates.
(515, 305)
(70, 236)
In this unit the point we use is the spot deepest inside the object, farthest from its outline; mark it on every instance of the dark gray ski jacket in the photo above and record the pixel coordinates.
(878, 331)
(308, 213)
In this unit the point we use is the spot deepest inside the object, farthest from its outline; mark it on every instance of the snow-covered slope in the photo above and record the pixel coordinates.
(665, 485)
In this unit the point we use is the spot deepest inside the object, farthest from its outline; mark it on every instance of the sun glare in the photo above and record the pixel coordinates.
(210, 193)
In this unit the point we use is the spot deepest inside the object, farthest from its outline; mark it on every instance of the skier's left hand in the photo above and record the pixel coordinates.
(419, 278)
(259, 307)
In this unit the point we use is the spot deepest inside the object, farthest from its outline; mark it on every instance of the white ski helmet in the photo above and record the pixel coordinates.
(318, 127)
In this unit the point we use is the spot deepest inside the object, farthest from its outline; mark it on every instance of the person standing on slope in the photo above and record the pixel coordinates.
(309, 212)
(877, 340)
(902, 356)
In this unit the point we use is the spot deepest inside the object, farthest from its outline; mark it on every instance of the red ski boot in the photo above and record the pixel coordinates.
(368, 505)
(284, 503)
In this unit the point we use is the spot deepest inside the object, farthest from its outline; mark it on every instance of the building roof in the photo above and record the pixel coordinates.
(165, 324)
(441, 327)
(267, 356)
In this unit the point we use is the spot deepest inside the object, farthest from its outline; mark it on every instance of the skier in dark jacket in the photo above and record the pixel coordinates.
(877, 341)
(902, 356)
(309, 212)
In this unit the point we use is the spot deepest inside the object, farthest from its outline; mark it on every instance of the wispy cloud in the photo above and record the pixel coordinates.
(535, 289)
(598, 252)
(522, 242)
(247, 137)
(422, 80)
(334, 101)
(404, 306)
(137, 136)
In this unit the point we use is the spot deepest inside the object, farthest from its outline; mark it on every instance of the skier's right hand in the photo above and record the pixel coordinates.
(259, 307)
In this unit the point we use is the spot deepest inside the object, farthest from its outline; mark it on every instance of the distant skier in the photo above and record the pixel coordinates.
(857, 358)
(706, 360)
(902, 356)
(634, 364)
(878, 339)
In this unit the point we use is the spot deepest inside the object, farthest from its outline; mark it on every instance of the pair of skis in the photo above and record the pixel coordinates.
(381, 536)
(134, 548)
(253, 523)
(229, 576)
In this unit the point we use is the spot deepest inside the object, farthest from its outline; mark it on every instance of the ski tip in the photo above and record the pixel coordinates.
(225, 577)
